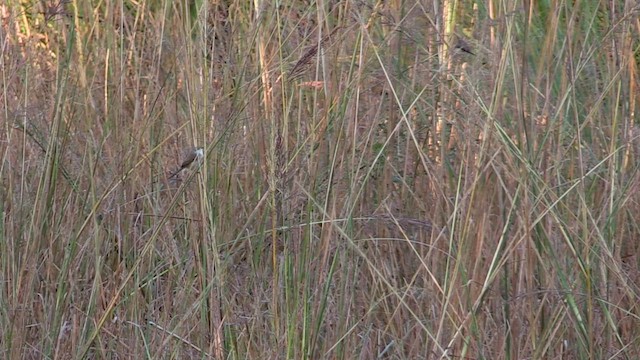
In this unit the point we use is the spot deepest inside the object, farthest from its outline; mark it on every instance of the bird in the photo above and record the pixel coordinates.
(463, 46)
(193, 158)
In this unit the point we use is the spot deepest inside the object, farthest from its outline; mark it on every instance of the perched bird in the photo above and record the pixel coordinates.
(463, 46)
(193, 158)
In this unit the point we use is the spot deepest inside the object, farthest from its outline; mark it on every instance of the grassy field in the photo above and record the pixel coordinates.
(408, 179)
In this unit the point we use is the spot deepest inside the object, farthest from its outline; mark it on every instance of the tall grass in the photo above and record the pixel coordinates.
(368, 189)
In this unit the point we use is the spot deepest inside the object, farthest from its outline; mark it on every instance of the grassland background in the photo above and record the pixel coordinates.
(368, 190)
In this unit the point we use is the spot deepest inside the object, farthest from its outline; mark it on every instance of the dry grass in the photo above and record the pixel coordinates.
(368, 191)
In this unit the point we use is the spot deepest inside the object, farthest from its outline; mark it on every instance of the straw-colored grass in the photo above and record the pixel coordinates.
(368, 189)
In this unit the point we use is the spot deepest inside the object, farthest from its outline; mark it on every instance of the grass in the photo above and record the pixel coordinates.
(367, 190)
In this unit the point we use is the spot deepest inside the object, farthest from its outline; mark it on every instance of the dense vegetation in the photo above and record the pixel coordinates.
(382, 179)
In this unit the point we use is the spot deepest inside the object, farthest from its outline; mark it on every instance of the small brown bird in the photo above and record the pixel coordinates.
(463, 46)
(193, 158)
